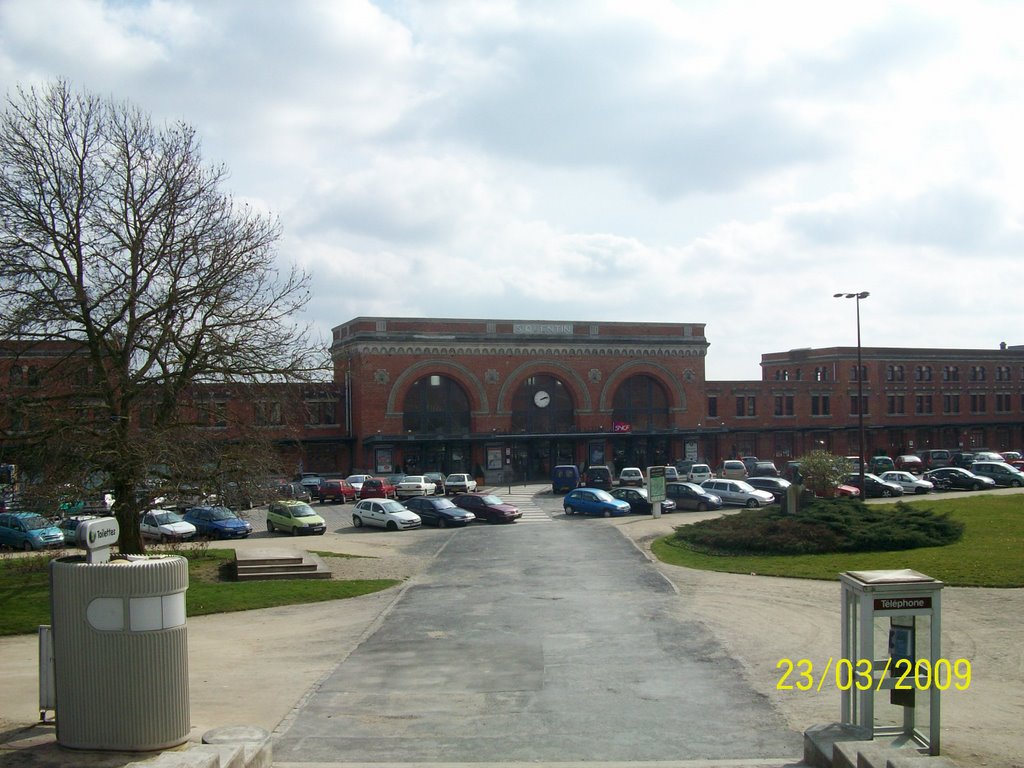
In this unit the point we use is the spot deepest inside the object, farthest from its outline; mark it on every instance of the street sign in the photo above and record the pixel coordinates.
(656, 483)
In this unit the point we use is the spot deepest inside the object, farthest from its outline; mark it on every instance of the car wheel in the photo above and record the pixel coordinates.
(702, 507)
(270, 526)
(751, 503)
(392, 526)
(162, 539)
(607, 513)
(921, 490)
(1015, 483)
(570, 511)
(295, 530)
(440, 522)
(976, 487)
(27, 546)
(357, 521)
(886, 492)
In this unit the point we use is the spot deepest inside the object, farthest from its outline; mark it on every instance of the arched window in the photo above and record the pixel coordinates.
(437, 405)
(542, 405)
(641, 403)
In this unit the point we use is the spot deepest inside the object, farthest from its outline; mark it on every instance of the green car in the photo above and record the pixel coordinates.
(295, 517)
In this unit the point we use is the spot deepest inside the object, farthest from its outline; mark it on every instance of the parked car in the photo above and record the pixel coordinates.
(594, 501)
(217, 523)
(356, 481)
(908, 482)
(384, 513)
(749, 462)
(1001, 472)
(698, 473)
(294, 517)
(597, 476)
(639, 501)
(69, 527)
(439, 511)
(671, 474)
(487, 507)
(874, 486)
(933, 458)
(738, 492)
(987, 456)
(958, 479)
(777, 486)
(879, 464)
(414, 485)
(844, 490)
(28, 531)
(377, 488)
(459, 482)
(336, 491)
(312, 482)
(1011, 456)
(395, 479)
(437, 478)
(962, 459)
(763, 469)
(732, 469)
(631, 476)
(296, 491)
(909, 462)
(165, 525)
(564, 478)
(692, 496)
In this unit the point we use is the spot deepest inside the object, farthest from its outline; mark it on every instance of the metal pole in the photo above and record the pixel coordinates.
(860, 402)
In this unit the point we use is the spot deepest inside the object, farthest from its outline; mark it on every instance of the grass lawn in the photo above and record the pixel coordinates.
(25, 589)
(990, 554)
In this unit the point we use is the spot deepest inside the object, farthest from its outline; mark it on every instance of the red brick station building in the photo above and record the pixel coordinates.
(511, 398)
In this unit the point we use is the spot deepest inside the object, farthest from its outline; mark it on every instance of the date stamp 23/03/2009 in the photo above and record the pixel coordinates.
(859, 675)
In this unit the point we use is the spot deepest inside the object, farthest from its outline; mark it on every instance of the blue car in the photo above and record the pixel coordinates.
(28, 531)
(594, 501)
(217, 523)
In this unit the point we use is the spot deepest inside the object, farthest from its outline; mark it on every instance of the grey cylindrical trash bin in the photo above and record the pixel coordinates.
(120, 652)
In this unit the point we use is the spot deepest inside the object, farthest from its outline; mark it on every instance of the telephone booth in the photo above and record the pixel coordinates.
(893, 671)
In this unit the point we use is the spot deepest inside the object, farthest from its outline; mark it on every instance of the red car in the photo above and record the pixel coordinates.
(377, 488)
(336, 491)
(910, 463)
(487, 507)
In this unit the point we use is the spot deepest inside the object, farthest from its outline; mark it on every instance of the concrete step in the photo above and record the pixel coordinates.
(264, 566)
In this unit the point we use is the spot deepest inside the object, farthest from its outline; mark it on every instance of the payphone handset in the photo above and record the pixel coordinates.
(902, 657)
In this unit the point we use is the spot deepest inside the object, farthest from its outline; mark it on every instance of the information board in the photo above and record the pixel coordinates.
(656, 483)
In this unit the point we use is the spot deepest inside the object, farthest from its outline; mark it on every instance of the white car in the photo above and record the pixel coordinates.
(384, 513)
(165, 525)
(908, 482)
(738, 492)
(631, 476)
(414, 485)
(698, 473)
(356, 481)
(459, 483)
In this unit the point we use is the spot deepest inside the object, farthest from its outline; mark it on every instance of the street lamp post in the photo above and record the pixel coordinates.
(860, 384)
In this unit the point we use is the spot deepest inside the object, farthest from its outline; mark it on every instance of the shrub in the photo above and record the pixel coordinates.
(826, 525)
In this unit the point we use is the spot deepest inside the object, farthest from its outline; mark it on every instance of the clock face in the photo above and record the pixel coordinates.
(541, 399)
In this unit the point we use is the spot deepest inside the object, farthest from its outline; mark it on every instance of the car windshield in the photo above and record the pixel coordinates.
(166, 518)
(35, 522)
(602, 495)
(221, 513)
(393, 506)
(745, 487)
(443, 504)
(302, 510)
(491, 500)
(692, 487)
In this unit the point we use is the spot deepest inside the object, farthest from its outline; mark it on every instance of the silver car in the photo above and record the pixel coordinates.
(738, 493)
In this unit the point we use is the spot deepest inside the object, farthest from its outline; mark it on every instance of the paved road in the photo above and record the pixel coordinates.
(551, 640)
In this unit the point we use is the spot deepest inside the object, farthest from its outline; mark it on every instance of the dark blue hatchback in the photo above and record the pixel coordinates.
(217, 523)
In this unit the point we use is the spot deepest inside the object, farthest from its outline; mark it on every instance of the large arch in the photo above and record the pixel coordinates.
(671, 383)
(478, 402)
(577, 388)
(436, 404)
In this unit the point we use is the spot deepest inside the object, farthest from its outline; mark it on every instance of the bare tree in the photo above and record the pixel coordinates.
(122, 258)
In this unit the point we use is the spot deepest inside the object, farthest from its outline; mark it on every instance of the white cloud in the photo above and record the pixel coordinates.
(726, 163)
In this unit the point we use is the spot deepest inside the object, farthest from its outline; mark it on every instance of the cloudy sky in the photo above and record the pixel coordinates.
(727, 163)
